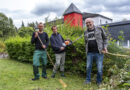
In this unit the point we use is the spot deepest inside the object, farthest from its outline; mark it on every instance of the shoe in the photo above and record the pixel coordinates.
(53, 75)
(34, 79)
(45, 77)
(99, 84)
(62, 74)
(87, 82)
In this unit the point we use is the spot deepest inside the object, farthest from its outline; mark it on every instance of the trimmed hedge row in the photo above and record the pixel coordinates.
(21, 49)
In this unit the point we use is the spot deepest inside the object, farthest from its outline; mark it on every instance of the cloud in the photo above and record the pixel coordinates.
(46, 8)
(114, 6)
(37, 10)
(20, 15)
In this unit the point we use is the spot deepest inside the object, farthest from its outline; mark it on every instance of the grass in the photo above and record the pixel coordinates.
(17, 76)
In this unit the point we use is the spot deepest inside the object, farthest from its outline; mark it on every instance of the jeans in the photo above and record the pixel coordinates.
(99, 61)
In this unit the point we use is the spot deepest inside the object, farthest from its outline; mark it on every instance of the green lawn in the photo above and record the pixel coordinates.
(17, 76)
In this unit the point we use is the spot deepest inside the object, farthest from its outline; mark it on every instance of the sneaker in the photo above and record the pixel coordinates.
(87, 82)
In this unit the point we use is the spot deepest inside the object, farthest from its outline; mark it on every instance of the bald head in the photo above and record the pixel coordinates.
(88, 20)
(89, 23)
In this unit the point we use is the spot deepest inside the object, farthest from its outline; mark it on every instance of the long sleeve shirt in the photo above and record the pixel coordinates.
(44, 38)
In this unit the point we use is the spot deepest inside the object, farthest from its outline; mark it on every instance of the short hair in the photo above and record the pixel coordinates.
(53, 27)
(40, 23)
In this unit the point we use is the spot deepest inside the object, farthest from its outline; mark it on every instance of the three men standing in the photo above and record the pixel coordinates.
(40, 51)
(96, 45)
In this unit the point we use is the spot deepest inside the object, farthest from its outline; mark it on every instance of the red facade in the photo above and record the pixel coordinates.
(74, 19)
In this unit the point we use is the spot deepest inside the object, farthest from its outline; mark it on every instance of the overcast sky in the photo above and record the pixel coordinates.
(37, 10)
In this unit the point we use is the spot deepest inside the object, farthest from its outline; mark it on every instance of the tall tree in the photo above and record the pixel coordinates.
(7, 27)
(22, 24)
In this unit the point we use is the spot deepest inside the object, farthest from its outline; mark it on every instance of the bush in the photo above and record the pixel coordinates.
(2, 47)
(25, 31)
(21, 49)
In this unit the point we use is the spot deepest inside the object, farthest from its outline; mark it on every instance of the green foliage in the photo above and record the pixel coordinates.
(121, 36)
(2, 47)
(32, 24)
(25, 31)
(22, 24)
(6, 26)
(20, 48)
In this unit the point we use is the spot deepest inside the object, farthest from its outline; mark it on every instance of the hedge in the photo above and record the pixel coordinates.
(21, 49)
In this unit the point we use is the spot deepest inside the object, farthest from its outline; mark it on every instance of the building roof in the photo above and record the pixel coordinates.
(72, 9)
(91, 15)
(119, 23)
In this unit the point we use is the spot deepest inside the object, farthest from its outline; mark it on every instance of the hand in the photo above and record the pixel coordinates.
(44, 46)
(104, 51)
(36, 34)
(62, 48)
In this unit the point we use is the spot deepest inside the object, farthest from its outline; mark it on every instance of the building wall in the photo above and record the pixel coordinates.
(102, 20)
(125, 44)
(115, 32)
(74, 19)
(99, 20)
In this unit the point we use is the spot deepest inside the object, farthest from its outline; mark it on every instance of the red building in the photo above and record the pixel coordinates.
(73, 16)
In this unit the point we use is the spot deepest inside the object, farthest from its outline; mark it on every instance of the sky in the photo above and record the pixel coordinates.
(37, 10)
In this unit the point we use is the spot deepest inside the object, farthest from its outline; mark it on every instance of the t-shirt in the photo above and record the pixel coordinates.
(92, 44)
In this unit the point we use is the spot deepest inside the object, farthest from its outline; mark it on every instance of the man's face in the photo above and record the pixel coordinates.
(40, 26)
(89, 24)
(54, 29)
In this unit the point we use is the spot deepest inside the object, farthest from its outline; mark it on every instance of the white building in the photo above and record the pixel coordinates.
(97, 18)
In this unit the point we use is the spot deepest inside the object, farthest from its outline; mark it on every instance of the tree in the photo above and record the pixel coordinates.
(32, 24)
(22, 24)
(7, 27)
(25, 31)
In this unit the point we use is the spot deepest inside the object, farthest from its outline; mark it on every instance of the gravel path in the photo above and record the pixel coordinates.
(3, 55)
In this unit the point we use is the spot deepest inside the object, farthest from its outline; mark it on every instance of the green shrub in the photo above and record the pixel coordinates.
(2, 47)
(21, 49)
(25, 31)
